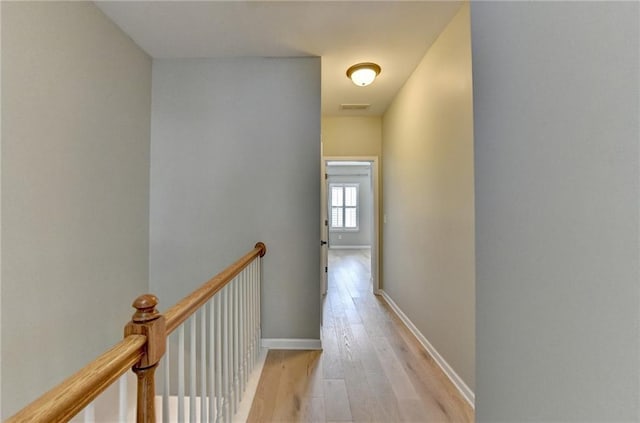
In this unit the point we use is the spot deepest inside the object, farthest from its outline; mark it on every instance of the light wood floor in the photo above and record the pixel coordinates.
(371, 369)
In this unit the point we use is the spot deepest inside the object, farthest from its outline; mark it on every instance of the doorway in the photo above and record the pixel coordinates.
(350, 213)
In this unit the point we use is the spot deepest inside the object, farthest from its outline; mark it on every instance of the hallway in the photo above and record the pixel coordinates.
(346, 381)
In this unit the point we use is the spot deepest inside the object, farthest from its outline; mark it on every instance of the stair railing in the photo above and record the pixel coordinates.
(226, 310)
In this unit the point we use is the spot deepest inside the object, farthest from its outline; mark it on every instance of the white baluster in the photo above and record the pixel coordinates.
(192, 370)
(241, 322)
(181, 373)
(218, 357)
(247, 337)
(226, 350)
(247, 346)
(211, 361)
(203, 363)
(256, 311)
(232, 354)
(122, 399)
(250, 316)
(247, 328)
(245, 325)
(256, 317)
(89, 414)
(258, 290)
(166, 393)
(236, 350)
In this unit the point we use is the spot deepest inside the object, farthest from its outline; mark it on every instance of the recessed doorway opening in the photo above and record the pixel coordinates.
(350, 214)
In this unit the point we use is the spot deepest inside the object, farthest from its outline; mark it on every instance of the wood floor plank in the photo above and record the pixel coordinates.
(346, 341)
(385, 407)
(412, 410)
(313, 410)
(331, 360)
(342, 302)
(336, 400)
(361, 400)
(370, 317)
(343, 284)
(365, 350)
(296, 389)
(400, 382)
(265, 397)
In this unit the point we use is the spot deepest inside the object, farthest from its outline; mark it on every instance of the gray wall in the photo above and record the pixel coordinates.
(76, 96)
(350, 175)
(235, 159)
(428, 249)
(557, 118)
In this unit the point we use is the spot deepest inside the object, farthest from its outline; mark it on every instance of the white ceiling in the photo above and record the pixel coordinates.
(394, 34)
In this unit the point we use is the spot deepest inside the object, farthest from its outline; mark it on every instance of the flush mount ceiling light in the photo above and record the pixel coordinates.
(363, 74)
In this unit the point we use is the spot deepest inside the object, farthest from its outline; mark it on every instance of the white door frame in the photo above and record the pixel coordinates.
(375, 239)
(324, 233)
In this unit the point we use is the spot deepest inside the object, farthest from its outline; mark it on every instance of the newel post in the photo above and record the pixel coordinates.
(149, 322)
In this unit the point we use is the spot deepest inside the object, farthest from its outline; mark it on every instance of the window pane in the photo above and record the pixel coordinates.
(350, 196)
(350, 218)
(336, 217)
(336, 196)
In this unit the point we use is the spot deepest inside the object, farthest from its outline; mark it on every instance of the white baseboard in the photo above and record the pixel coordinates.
(291, 344)
(350, 247)
(466, 392)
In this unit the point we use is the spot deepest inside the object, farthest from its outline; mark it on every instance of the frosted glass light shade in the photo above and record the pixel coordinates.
(363, 74)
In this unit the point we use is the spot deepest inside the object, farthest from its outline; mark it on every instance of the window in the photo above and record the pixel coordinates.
(344, 206)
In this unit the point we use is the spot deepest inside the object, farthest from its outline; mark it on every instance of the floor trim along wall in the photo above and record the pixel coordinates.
(291, 344)
(466, 392)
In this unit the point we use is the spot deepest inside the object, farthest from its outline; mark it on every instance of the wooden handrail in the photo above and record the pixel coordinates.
(192, 302)
(143, 346)
(67, 399)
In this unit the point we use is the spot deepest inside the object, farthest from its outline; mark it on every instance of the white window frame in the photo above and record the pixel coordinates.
(356, 185)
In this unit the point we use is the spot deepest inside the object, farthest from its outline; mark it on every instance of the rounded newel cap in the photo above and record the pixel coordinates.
(263, 248)
(145, 306)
